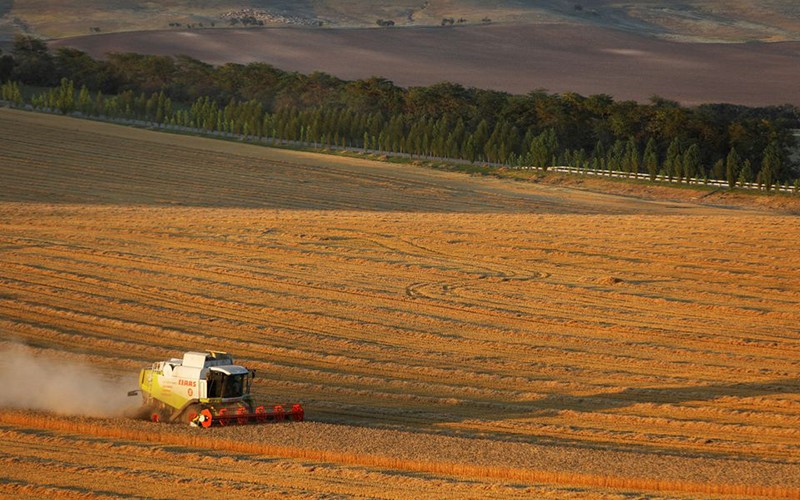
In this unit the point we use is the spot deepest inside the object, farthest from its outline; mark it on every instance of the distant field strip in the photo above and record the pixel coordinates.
(640, 347)
(65, 160)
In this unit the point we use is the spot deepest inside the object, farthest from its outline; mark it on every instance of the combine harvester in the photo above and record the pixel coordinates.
(205, 389)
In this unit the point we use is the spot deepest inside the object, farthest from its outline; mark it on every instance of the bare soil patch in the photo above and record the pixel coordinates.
(514, 58)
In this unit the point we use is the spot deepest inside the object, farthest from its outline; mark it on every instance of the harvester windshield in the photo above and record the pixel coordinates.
(233, 386)
(224, 385)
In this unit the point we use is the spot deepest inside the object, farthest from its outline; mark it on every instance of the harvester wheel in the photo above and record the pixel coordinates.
(191, 413)
(144, 412)
(158, 415)
(206, 418)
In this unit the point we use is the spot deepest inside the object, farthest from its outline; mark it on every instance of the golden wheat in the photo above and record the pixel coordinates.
(468, 327)
(200, 439)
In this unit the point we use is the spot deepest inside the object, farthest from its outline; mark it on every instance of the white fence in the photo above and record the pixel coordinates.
(662, 178)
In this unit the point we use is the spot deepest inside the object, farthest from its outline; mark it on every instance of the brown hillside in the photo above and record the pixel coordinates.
(514, 58)
(689, 20)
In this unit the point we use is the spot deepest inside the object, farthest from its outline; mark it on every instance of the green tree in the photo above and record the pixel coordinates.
(651, 159)
(631, 162)
(84, 100)
(745, 174)
(373, 94)
(616, 155)
(599, 155)
(440, 99)
(691, 162)
(99, 104)
(478, 140)
(732, 167)
(672, 163)
(6, 66)
(544, 148)
(82, 69)
(771, 165)
(62, 98)
(718, 170)
(11, 91)
(470, 150)
(455, 140)
(33, 62)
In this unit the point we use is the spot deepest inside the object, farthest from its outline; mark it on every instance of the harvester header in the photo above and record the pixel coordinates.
(205, 389)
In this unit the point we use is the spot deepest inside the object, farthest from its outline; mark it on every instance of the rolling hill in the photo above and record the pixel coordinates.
(692, 20)
(692, 52)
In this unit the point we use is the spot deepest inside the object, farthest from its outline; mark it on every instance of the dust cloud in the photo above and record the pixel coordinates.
(33, 381)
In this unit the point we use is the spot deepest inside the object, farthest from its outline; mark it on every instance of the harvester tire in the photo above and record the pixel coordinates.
(206, 418)
(142, 413)
(191, 413)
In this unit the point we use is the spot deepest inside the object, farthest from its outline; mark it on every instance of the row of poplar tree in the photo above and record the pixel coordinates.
(725, 142)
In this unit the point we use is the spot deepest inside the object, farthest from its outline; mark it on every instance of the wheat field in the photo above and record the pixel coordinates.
(449, 336)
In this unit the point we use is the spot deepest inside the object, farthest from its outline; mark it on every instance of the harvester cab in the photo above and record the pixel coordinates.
(204, 389)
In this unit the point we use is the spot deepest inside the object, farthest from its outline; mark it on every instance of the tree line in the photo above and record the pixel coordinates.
(714, 141)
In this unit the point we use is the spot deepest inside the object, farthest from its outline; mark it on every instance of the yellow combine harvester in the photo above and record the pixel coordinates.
(205, 389)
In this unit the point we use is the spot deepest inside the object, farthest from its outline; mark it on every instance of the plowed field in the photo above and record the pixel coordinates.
(520, 58)
(449, 336)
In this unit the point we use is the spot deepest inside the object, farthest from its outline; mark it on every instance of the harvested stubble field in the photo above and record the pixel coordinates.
(450, 336)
